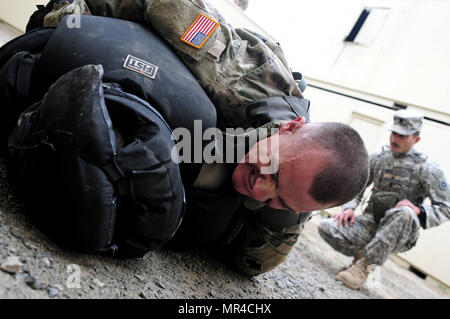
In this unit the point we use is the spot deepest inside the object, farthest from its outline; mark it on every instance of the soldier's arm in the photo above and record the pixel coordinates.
(438, 191)
(264, 241)
(259, 247)
(133, 10)
(357, 200)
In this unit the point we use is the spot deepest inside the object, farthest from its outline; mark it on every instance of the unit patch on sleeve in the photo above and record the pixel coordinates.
(200, 31)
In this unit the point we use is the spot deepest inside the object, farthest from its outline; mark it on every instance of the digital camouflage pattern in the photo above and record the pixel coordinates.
(397, 232)
(234, 66)
(243, 4)
(264, 248)
(413, 177)
(63, 8)
(407, 122)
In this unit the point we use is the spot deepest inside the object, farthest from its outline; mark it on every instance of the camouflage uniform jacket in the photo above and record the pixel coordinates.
(234, 66)
(414, 177)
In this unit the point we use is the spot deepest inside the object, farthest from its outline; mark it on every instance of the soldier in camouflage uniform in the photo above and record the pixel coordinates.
(234, 66)
(402, 178)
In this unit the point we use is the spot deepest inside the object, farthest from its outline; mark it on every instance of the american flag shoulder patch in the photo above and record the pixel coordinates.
(200, 31)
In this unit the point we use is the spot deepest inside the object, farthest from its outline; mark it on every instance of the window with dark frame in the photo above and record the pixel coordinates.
(358, 25)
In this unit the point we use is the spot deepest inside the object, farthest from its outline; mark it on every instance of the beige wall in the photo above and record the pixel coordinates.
(431, 252)
(17, 12)
(403, 57)
(407, 62)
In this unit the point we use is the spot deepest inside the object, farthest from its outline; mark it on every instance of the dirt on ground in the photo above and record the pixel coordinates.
(43, 270)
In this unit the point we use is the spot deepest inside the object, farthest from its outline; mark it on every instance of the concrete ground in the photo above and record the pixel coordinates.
(47, 271)
(44, 270)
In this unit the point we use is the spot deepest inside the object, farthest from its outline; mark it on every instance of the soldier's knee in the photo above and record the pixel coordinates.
(404, 215)
(404, 212)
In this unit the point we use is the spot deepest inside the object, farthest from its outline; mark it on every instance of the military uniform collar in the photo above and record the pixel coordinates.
(405, 154)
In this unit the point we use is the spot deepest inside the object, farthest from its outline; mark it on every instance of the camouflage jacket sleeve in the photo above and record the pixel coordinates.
(133, 10)
(357, 200)
(260, 248)
(233, 65)
(439, 194)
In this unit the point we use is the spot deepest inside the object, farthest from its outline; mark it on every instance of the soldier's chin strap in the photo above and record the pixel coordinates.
(301, 82)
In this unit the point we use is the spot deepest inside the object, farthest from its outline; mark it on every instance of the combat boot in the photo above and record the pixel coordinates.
(354, 260)
(355, 276)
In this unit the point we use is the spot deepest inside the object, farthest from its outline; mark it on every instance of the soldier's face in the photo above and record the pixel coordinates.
(402, 143)
(287, 186)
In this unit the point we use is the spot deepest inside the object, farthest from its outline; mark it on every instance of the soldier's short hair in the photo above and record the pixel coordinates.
(347, 170)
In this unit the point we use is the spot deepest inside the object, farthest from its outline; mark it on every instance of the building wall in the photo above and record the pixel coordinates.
(399, 56)
(17, 12)
(402, 56)
(430, 254)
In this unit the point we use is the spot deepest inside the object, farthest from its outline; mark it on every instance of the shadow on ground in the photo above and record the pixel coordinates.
(47, 271)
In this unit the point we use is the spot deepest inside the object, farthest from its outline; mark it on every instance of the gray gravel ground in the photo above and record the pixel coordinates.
(309, 271)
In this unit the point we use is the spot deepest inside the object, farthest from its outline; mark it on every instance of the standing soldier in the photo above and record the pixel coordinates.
(402, 178)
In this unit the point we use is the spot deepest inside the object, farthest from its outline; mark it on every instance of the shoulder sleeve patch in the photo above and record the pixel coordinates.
(200, 31)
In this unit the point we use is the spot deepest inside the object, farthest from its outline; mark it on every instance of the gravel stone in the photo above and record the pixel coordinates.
(33, 282)
(12, 265)
(308, 272)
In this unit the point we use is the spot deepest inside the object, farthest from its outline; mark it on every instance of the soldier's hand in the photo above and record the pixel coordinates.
(406, 202)
(343, 217)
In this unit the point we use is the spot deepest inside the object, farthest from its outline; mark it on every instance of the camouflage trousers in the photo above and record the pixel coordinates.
(234, 66)
(397, 232)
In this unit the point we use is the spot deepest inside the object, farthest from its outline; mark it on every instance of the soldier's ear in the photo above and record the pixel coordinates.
(292, 125)
(416, 139)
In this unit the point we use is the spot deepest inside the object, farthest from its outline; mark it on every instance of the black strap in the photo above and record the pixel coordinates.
(120, 180)
(263, 111)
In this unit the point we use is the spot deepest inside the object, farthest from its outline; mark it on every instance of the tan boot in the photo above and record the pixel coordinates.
(354, 260)
(355, 276)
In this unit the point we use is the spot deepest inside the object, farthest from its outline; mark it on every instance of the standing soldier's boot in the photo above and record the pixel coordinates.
(355, 276)
(354, 260)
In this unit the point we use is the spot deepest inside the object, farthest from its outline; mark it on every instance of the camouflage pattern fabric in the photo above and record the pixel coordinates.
(264, 248)
(397, 232)
(407, 122)
(243, 4)
(234, 66)
(63, 8)
(413, 177)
